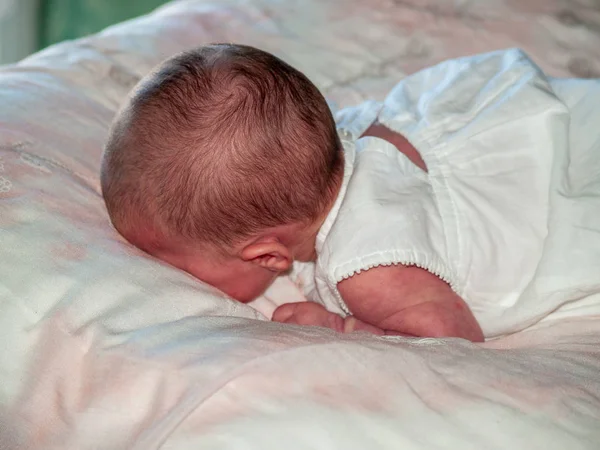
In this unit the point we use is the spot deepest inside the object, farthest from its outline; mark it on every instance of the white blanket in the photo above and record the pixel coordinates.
(103, 347)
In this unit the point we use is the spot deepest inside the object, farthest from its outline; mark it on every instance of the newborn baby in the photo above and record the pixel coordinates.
(226, 163)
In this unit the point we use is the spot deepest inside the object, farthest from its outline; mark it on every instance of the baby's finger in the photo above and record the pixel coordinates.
(351, 324)
(284, 312)
(308, 313)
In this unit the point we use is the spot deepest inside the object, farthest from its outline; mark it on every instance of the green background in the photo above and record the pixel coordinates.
(70, 19)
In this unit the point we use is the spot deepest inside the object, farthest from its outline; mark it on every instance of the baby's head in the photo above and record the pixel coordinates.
(224, 162)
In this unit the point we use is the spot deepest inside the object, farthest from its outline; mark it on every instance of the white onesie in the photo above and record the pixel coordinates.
(487, 128)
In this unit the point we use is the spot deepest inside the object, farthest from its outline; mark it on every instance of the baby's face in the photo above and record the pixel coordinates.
(238, 279)
(246, 271)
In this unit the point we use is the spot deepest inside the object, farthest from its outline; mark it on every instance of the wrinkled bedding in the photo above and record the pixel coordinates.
(104, 347)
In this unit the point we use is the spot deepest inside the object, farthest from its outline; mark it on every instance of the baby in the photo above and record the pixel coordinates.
(226, 163)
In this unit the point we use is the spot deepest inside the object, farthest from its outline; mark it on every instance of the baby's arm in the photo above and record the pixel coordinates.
(398, 300)
(409, 300)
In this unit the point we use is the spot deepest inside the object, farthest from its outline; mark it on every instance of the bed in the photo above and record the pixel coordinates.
(103, 347)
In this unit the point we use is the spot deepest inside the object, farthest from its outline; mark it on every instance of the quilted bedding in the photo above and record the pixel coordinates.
(102, 347)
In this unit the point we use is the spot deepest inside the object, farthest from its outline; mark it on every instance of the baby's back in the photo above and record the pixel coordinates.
(488, 129)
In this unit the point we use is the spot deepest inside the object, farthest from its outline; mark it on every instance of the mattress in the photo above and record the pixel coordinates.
(104, 347)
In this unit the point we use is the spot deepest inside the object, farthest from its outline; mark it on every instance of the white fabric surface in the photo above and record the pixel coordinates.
(103, 347)
(495, 139)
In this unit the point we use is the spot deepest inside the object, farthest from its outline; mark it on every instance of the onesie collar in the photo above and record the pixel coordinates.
(351, 122)
(349, 157)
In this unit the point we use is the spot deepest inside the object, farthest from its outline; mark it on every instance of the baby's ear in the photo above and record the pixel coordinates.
(269, 254)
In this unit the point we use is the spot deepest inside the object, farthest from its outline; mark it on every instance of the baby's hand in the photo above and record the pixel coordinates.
(313, 314)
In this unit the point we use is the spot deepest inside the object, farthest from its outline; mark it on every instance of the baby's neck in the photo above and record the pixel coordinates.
(301, 237)
(306, 245)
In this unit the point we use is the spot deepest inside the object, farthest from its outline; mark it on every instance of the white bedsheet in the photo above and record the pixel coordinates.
(103, 347)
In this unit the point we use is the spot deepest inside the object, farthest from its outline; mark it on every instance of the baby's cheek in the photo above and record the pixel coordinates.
(246, 289)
